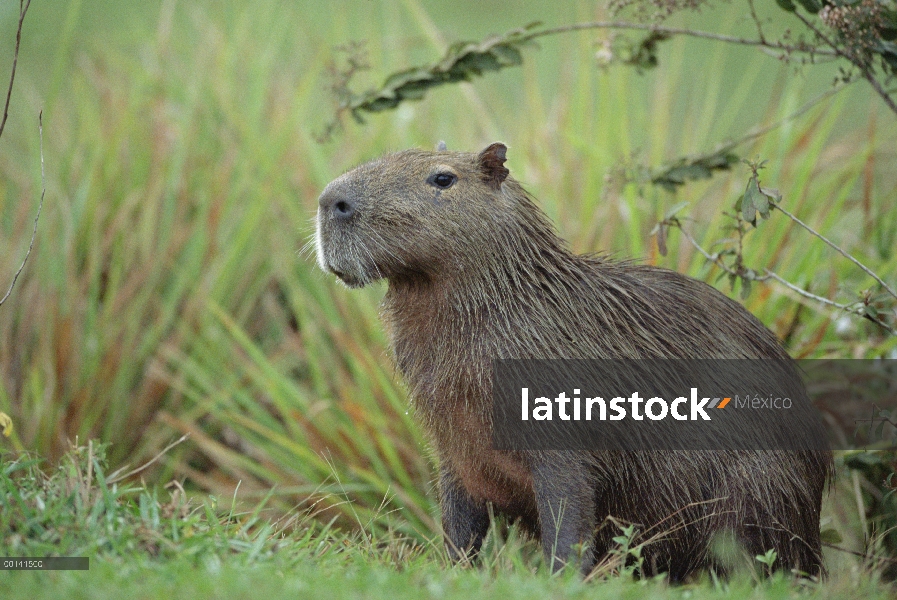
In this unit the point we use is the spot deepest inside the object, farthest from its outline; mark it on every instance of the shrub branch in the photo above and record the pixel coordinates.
(738, 270)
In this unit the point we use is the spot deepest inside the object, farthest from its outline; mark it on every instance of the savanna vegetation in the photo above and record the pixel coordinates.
(172, 291)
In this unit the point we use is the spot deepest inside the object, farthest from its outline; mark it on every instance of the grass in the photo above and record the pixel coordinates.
(166, 294)
(156, 543)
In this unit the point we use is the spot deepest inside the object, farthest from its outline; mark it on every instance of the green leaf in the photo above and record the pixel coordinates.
(830, 536)
(761, 203)
(786, 5)
(676, 174)
(774, 195)
(748, 210)
(462, 61)
(745, 288)
(768, 558)
(754, 202)
(508, 55)
(812, 6)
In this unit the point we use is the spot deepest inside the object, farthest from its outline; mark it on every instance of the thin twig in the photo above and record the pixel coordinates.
(40, 126)
(757, 21)
(714, 258)
(866, 269)
(800, 111)
(862, 555)
(687, 32)
(717, 260)
(867, 73)
(759, 131)
(803, 292)
(116, 477)
(23, 8)
(853, 309)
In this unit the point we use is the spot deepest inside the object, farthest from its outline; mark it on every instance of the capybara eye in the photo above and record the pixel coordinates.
(443, 180)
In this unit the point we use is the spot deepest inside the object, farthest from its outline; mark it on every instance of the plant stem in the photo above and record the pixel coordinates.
(679, 31)
(40, 125)
(775, 276)
(866, 269)
(23, 8)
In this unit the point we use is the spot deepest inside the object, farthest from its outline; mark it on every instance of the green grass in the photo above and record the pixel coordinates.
(155, 543)
(167, 293)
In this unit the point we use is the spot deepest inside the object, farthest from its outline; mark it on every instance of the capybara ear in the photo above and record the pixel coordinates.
(440, 146)
(492, 161)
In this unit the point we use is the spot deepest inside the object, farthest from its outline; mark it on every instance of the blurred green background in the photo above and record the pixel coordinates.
(168, 292)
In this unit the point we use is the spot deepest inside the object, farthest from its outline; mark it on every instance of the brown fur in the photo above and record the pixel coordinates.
(477, 272)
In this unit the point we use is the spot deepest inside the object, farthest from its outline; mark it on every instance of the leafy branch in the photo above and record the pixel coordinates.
(760, 201)
(464, 61)
(461, 62)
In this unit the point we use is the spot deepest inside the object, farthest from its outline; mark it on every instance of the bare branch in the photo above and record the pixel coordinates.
(40, 126)
(863, 555)
(686, 32)
(853, 309)
(757, 21)
(714, 258)
(866, 269)
(761, 42)
(757, 133)
(463, 61)
(23, 8)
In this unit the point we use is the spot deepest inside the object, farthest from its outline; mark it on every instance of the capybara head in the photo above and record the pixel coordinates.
(412, 214)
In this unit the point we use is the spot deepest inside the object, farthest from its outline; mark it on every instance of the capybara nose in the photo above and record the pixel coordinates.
(340, 206)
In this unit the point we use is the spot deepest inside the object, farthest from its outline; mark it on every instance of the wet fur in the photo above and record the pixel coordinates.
(477, 272)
